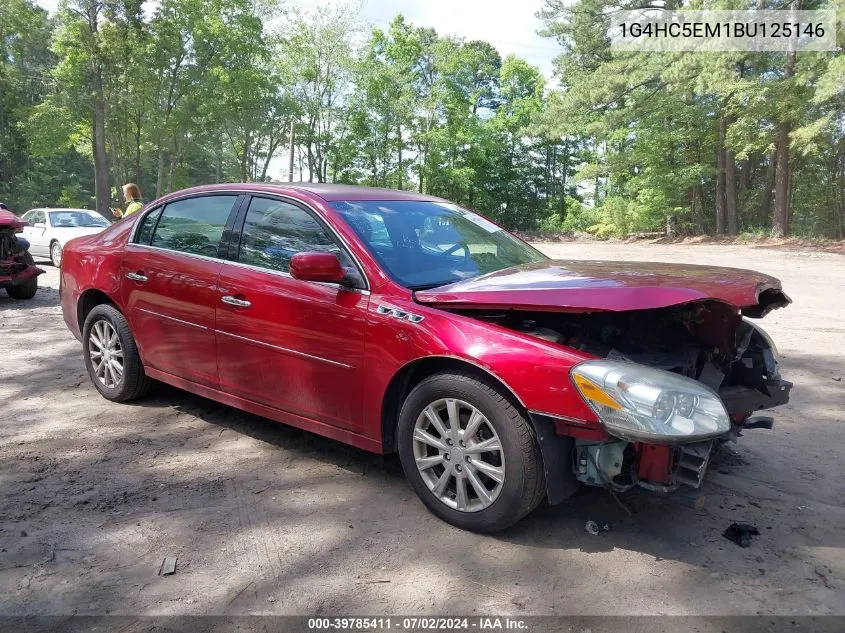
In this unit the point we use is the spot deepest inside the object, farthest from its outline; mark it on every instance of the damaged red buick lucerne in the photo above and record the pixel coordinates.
(394, 321)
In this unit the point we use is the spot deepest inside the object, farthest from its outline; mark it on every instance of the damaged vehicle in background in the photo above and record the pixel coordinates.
(399, 322)
(18, 273)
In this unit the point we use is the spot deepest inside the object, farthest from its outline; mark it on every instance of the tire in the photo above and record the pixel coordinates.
(518, 462)
(56, 254)
(28, 288)
(105, 320)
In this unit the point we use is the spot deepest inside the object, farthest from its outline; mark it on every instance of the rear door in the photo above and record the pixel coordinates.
(293, 345)
(169, 284)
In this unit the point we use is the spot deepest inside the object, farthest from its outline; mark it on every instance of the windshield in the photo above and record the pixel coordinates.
(76, 218)
(425, 244)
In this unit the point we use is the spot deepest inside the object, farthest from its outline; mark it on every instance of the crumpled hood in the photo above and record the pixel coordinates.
(588, 286)
(10, 220)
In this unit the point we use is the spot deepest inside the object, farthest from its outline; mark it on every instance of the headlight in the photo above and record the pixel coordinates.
(639, 403)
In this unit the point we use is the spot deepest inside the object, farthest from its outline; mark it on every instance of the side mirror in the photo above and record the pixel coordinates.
(317, 266)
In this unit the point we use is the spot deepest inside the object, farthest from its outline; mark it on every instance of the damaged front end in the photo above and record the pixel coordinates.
(669, 386)
(17, 269)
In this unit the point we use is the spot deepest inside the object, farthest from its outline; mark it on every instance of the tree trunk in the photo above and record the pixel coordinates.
(138, 145)
(839, 205)
(399, 141)
(218, 161)
(768, 188)
(290, 159)
(245, 163)
(310, 162)
(730, 193)
(721, 201)
(160, 171)
(101, 159)
(780, 221)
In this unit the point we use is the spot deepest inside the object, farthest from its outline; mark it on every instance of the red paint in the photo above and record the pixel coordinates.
(321, 357)
(172, 312)
(654, 463)
(615, 286)
(299, 347)
(316, 266)
(10, 220)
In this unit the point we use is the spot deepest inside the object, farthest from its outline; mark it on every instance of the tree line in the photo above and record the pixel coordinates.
(198, 91)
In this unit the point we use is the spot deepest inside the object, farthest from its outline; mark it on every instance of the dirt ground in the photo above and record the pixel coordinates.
(266, 519)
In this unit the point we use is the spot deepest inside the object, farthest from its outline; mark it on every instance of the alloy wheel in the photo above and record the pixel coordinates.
(106, 353)
(459, 455)
(56, 254)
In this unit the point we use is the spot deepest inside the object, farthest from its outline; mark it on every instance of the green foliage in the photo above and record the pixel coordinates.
(196, 91)
(653, 121)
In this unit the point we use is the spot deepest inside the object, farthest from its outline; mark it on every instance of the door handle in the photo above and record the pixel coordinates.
(136, 277)
(234, 301)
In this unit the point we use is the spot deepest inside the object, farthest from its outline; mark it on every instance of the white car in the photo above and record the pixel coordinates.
(50, 229)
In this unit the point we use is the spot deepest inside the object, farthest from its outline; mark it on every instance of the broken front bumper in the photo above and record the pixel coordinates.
(14, 274)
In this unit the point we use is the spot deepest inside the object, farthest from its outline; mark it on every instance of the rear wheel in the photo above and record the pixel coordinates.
(469, 454)
(111, 355)
(56, 254)
(28, 288)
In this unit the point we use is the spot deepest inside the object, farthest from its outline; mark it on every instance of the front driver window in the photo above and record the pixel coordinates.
(274, 231)
(193, 225)
(148, 223)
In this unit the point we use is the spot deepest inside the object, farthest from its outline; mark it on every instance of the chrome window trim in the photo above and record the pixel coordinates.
(170, 250)
(285, 350)
(261, 194)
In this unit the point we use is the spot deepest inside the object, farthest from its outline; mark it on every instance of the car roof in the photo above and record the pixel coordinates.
(326, 191)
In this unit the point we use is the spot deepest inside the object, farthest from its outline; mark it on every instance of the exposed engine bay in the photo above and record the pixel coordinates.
(10, 244)
(708, 341)
(12, 251)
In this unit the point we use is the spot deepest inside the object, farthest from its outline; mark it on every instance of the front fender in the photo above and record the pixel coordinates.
(536, 371)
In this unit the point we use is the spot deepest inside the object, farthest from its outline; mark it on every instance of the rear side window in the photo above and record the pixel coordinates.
(274, 231)
(194, 225)
(148, 223)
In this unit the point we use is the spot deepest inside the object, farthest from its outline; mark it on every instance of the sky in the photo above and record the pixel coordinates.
(510, 25)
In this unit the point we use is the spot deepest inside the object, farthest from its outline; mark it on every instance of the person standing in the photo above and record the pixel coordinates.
(132, 195)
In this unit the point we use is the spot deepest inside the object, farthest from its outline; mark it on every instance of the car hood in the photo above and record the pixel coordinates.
(10, 220)
(588, 286)
(65, 233)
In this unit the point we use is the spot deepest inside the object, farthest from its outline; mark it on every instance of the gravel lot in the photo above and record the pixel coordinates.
(266, 519)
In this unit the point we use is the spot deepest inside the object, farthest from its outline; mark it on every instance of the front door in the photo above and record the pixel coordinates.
(36, 233)
(169, 285)
(293, 345)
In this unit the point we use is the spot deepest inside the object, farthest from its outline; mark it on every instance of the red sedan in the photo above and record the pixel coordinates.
(400, 322)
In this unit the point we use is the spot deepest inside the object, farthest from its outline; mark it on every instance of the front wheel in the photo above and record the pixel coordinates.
(111, 355)
(56, 254)
(28, 288)
(469, 454)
